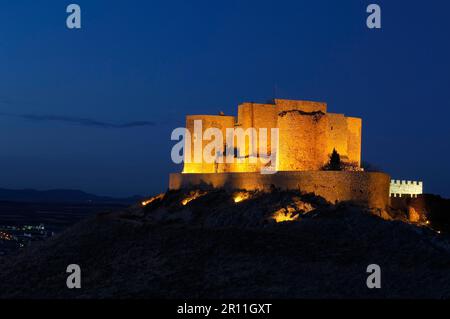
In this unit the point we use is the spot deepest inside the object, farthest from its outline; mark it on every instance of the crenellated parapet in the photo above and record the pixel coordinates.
(400, 188)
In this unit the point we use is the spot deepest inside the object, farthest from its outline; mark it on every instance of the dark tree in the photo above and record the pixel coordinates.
(335, 162)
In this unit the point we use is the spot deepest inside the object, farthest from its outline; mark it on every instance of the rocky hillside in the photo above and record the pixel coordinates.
(215, 244)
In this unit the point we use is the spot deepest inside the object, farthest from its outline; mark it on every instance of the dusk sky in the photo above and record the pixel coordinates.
(93, 109)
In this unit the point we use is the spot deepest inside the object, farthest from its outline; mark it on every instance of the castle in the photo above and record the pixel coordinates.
(306, 137)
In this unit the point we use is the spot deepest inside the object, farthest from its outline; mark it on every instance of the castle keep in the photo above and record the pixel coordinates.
(307, 136)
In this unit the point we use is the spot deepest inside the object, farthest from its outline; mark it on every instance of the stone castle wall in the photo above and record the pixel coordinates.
(337, 135)
(354, 131)
(370, 189)
(253, 115)
(208, 121)
(303, 141)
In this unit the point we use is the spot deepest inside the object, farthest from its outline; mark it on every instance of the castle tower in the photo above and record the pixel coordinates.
(303, 129)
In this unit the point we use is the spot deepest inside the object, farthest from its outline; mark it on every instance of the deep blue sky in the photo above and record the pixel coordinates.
(157, 61)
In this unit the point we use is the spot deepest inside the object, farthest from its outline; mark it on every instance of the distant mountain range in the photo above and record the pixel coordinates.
(60, 196)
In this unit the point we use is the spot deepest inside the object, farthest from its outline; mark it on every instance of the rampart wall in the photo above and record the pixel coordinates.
(370, 189)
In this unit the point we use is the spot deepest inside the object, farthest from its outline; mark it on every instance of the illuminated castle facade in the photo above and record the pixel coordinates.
(307, 135)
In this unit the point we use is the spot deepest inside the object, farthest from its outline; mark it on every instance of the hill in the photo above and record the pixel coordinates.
(215, 244)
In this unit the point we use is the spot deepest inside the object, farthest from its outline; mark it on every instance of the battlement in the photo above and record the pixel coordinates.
(399, 188)
(403, 182)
